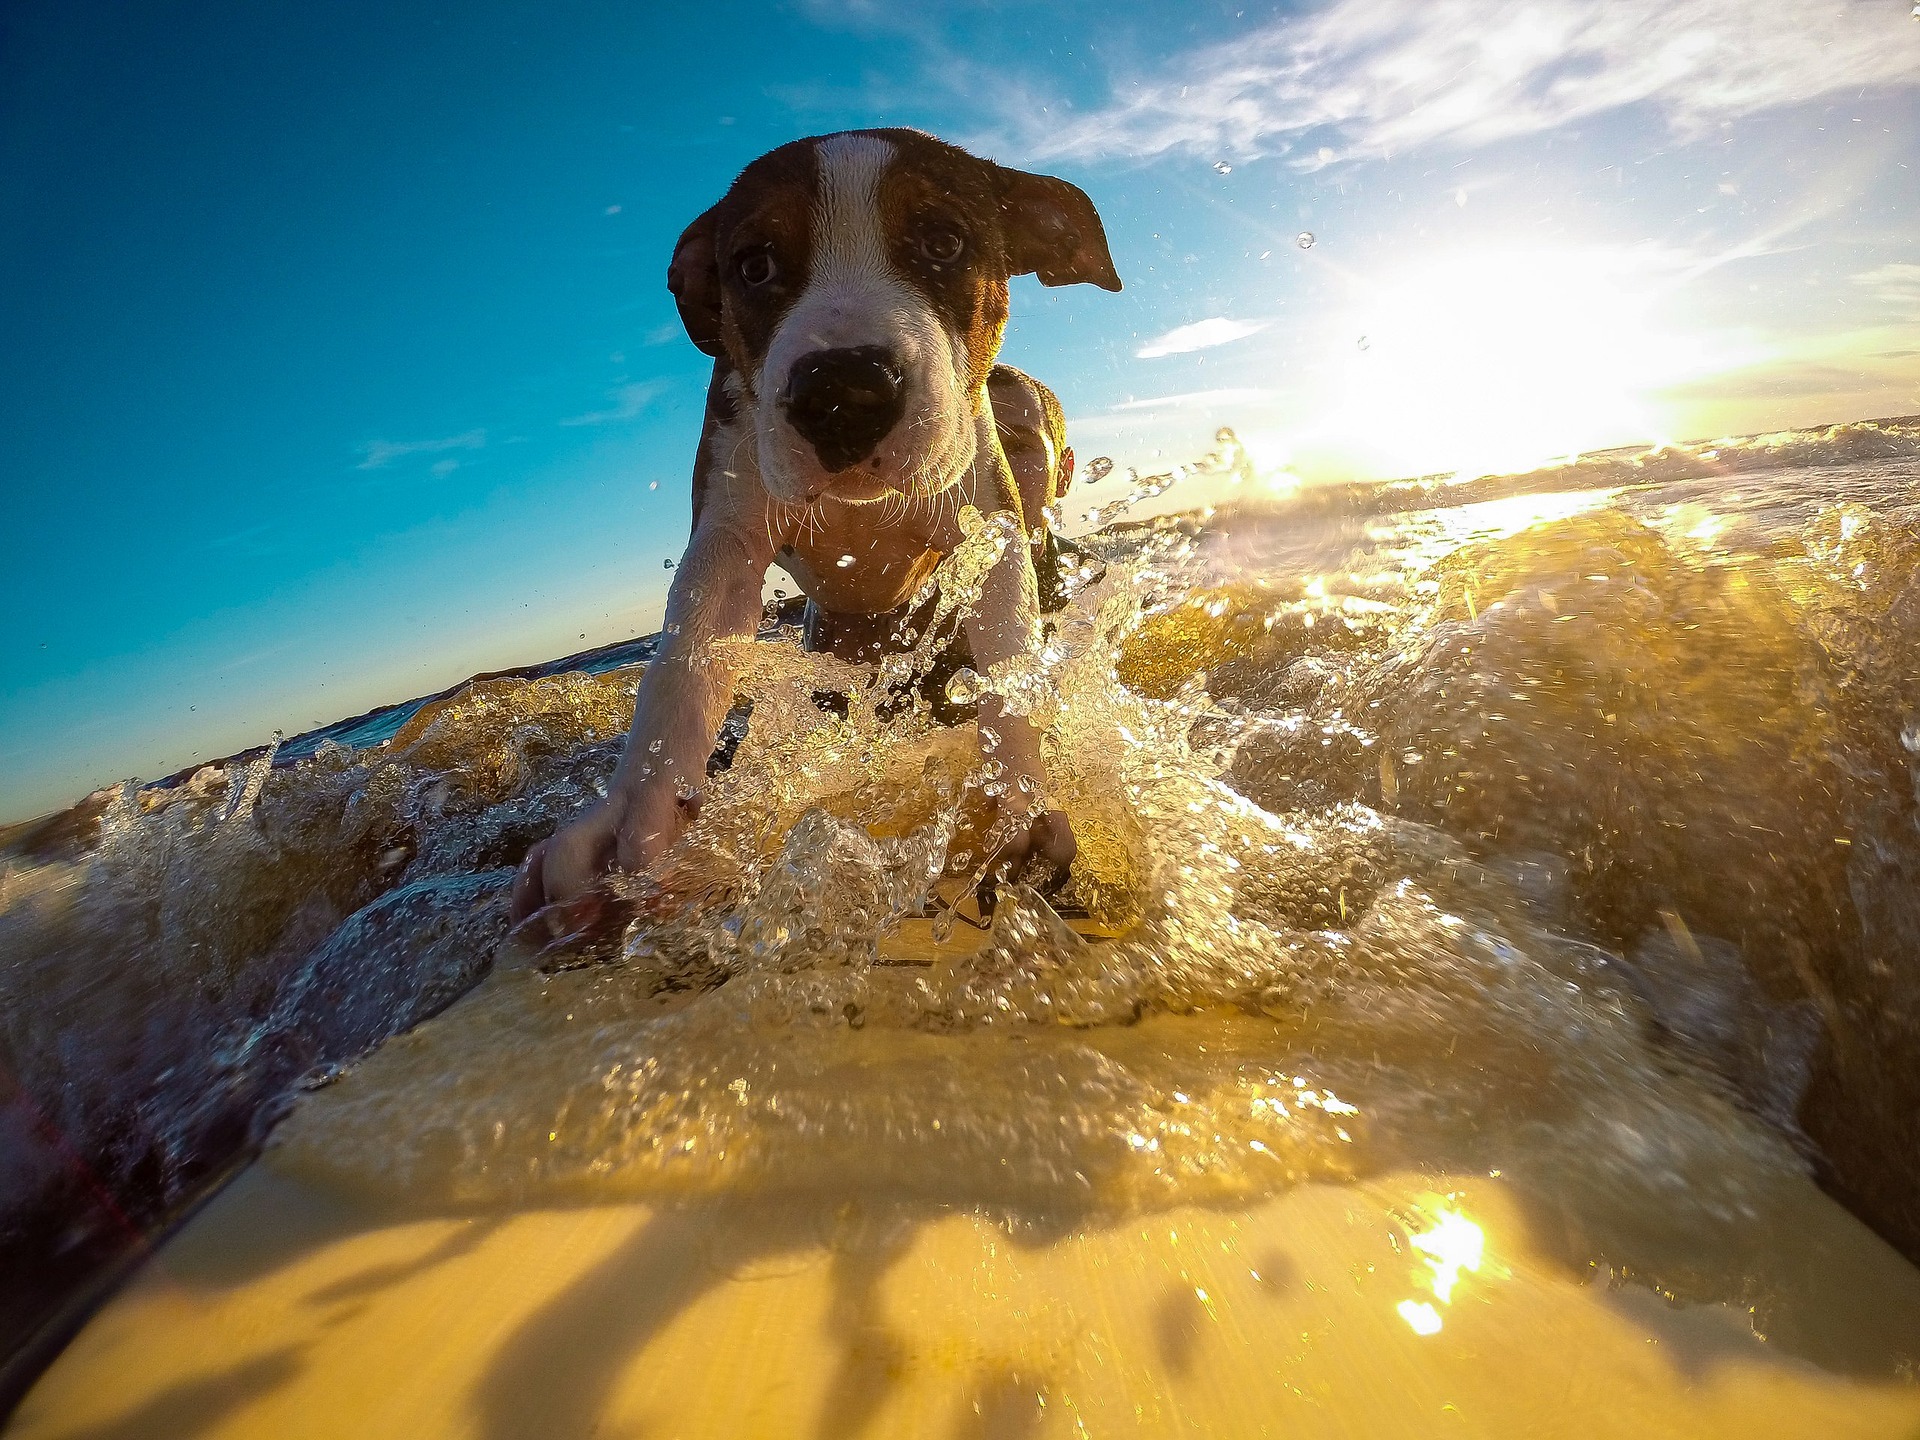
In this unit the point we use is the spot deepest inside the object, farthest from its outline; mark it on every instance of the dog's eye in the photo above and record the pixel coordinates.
(941, 244)
(756, 267)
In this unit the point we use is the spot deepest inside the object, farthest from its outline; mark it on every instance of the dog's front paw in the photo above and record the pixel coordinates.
(567, 863)
(626, 831)
(1039, 853)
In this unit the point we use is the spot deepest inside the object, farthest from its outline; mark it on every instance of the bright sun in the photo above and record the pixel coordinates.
(1500, 361)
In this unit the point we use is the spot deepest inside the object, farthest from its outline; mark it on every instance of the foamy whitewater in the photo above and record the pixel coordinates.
(1557, 827)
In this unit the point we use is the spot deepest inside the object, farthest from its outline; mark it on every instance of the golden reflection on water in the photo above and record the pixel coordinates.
(1422, 1317)
(1450, 1245)
(1497, 519)
(1454, 1244)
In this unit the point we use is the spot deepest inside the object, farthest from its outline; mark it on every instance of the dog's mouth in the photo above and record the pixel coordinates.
(857, 486)
(922, 458)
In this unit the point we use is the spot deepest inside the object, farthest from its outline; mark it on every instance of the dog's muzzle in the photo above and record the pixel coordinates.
(844, 402)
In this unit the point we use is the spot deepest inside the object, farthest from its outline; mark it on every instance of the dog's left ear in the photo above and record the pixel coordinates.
(1053, 231)
(694, 279)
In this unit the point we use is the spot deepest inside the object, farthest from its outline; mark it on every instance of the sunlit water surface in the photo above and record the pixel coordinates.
(1496, 908)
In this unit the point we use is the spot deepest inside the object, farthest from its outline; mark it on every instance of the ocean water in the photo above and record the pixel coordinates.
(1556, 828)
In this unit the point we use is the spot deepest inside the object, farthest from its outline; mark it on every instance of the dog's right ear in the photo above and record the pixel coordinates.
(694, 279)
(1053, 231)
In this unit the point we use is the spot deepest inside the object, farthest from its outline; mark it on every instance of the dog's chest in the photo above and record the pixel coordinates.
(860, 559)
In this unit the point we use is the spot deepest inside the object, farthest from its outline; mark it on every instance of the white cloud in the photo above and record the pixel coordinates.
(1200, 335)
(628, 402)
(1373, 76)
(379, 454)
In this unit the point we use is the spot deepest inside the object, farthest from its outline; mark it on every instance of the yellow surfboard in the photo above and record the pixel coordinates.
(311, 1300)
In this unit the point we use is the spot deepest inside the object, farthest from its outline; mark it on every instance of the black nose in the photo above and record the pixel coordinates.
(843, 402)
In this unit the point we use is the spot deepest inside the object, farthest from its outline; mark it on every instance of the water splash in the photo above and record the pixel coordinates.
(1364, 879)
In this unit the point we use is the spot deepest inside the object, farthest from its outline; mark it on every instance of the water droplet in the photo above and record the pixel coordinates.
(1364, 343)
(844, 561)
(1098, 469)
(653, 485)
(1304, 239)
(1222, 167)
(653, 747)
(667, 564)
(964, 687)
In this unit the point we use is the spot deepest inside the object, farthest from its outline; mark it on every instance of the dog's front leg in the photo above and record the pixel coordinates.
(1004, 624)
(682, 700)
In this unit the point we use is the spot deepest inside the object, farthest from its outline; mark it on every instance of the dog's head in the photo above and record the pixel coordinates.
(857, 285)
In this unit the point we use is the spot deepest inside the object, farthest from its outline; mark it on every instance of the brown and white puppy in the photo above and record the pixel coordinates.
(852, 289)
(1033, 436)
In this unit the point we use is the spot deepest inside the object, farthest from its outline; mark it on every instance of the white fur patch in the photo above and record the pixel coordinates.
(849, 255)
(855, 297)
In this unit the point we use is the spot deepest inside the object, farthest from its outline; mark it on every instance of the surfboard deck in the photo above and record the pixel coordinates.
(283, 1310)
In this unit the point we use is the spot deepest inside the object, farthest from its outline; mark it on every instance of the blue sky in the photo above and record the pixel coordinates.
(335, 362)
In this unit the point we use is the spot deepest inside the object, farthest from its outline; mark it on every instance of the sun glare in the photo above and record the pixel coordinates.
(1494, 362)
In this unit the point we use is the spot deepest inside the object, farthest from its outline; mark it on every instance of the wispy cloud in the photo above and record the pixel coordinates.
(1194, 400)
(1200, 335)
(628, 402)
(1792, 378)
(1132, 420)
(1896, 286)
(381, 453)
(1374, 76)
